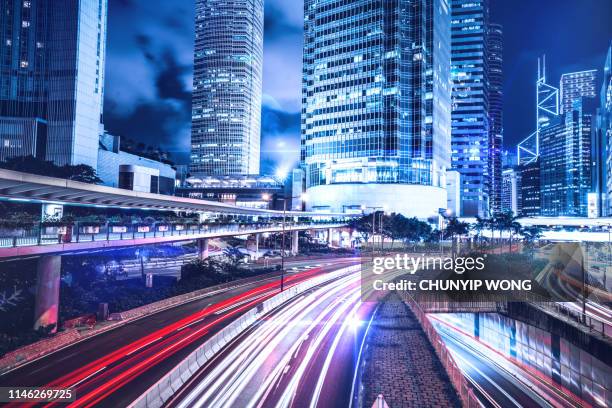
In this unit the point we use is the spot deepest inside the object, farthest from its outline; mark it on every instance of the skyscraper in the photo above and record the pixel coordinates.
(51, 88)
(547, 112)
(472, 144)
(603, 134)
(496, 119)
(511, 189)
(227, 86)
(565, 161)
(376, 105)
(530, 188)
(575, 85)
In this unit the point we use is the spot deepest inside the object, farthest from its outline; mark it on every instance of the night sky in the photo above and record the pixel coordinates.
(150, 57)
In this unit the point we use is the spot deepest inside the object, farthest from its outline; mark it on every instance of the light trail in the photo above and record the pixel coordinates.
(99, 379)
(524, 383)
(268, 365)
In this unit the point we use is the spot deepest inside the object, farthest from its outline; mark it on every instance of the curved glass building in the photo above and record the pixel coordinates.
(226, 104)
(376, 105)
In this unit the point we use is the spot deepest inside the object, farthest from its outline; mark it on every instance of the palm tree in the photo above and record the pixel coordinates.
(454, 228)
(507, 221)
(480, 225)
(531, 234)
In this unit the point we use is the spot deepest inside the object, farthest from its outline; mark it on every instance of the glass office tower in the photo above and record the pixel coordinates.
(565, 161)
(496, 118)
(376, 105)
(76, 80)
(575, 85)
(52, 75)
(227, 80)
(471, 127)
(604, 136)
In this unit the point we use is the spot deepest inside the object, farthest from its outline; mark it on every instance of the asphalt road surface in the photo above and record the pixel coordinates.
(104, 369)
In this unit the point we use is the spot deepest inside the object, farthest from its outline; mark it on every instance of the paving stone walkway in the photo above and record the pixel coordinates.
(400, 363)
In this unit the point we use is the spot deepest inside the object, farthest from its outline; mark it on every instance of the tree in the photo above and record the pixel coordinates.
(480, 225)
(82, 173)
(507, 221)
(398, 227)
(530, 235)
(363, 225)
(32, 165)
(455, 228)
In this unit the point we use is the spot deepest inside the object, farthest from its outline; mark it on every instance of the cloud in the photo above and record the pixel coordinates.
(164, 119)
(280, 145)
(149, 68)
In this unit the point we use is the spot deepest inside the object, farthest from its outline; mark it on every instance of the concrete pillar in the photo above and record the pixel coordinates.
(295, 239)
(330, 232)
(47, 291)
(203, 248)
(257, 236)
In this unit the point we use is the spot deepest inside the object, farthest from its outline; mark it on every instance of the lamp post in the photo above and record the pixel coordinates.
(302, 198)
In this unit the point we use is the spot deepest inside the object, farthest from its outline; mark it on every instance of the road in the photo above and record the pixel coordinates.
(500, 382)
(101, 368)
(596, 310)
(303, 354)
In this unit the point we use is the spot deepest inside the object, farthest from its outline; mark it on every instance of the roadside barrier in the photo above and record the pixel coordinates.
(160, 392)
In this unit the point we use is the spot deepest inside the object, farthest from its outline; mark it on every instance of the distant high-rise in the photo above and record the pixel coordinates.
(376, 105)
(52, 79)
(565, 162)
(471, 140)
(575, 85)
(511, 191)
(547, 112)
(496, 119)
(603, 135)
(530, 188)
(227, 87)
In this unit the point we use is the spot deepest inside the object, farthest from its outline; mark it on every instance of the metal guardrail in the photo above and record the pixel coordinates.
(157, 395)
(75, 235)
(595, 325)
(462, 385)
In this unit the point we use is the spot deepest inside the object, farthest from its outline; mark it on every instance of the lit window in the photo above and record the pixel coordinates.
(25, 24)
(27, 4)
(24, 64)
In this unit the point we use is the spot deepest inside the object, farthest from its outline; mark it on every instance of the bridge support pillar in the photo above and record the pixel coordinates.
(257, 236)
(47, 291)
(295, 239)
(331, 236)
(203, 248)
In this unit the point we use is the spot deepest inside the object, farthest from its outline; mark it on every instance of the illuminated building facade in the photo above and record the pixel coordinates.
(565, 162)
(530, 188)
(511, 190)
(604, 136)
(575, 85)
(376, 105)
(475, 147)
(227, 86)
(52, 56)
(547, 111)
(496, 118)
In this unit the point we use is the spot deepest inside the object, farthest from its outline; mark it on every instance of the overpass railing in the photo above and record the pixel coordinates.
(85, 232)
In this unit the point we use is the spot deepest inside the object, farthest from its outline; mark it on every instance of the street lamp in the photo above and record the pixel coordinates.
(302, 198)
